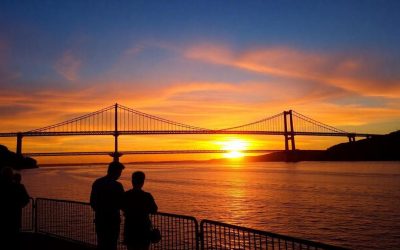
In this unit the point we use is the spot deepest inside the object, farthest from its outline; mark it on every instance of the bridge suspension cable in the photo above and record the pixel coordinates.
(104, 120)
(306, 124)
(270, 124)
(133, 120)
(276, 124)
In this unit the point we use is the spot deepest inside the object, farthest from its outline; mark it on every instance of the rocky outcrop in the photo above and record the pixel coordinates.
(11, 159)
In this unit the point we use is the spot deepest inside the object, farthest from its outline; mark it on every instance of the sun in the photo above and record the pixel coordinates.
(234, 148)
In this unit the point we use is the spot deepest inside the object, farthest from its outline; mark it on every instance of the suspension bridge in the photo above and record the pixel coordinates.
(117, 120)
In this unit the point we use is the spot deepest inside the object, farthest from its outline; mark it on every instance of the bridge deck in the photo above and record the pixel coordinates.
(182, 132)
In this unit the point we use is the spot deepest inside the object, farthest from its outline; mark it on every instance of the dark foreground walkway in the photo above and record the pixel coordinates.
(32, 241)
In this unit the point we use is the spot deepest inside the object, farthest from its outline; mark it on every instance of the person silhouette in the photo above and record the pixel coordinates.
(137, 205)
(105, 200)
(17, 178)
(13, 198)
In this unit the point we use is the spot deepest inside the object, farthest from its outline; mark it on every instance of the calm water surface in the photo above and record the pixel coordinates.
(354, 205)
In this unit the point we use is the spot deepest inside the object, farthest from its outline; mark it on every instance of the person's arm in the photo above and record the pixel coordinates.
(153, 208)
(93, 197)
(24, 196)
(121, 198)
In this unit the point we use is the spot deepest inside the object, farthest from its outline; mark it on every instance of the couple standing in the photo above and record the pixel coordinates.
(108, 198)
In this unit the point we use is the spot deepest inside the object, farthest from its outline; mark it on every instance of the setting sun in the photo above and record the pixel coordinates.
(235, 148)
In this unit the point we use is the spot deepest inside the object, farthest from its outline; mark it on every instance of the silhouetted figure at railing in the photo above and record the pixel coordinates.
(137, 205)
(106, 200)
(18, 181)
(13, 197)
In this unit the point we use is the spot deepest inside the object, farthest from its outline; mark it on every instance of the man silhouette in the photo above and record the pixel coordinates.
(13, 198)
(23, 194)
(105, 199)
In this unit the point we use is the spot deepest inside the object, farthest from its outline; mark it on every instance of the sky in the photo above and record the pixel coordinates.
(205, 63)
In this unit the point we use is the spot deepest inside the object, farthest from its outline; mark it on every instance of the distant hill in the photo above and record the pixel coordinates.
(378, 148)
(11, 159)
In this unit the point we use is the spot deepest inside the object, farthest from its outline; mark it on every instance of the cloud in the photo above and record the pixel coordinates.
(204, 104)
(7, 75)
(301, 81)
(68, 66)
(366, 74)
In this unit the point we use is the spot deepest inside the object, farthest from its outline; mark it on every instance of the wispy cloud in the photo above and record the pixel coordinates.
(205, 104)
(68, 66)
(301, 81)
(367, 75)
(6, 74)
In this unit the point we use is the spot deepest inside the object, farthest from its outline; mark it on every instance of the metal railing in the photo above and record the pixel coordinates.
(74, 221)
(70, 220)
(28, 217)
(222, 236)
(177, 231)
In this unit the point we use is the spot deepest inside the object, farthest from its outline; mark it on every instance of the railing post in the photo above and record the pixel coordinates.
(34, 207)
(201, 235)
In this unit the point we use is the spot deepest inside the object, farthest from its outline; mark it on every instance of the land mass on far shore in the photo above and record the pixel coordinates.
(377, 148)
(11, 159)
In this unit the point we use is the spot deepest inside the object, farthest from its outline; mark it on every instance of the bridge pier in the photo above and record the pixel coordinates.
(115, 156)
(352, 138)
(19, 144)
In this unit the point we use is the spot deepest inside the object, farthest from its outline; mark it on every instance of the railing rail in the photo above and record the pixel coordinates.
(217, 235)
(74, 221)
(178, 232)
(70, 220)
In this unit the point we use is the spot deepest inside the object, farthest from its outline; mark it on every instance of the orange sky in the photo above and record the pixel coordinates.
(341, 98)
(205, 64)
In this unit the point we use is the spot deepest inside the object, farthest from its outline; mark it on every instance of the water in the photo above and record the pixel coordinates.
(354, 205)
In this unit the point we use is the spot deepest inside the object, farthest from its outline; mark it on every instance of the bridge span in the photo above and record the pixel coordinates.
(117, 120)
(144, 152)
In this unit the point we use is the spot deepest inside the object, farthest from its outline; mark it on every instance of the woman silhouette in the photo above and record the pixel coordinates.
(137, 205)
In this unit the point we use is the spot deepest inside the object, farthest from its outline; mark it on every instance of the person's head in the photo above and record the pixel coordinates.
(17, 178)
(7, 174)
(138, 179)
(115, 170)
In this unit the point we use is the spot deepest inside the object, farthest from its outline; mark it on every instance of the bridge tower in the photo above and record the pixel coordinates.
(116, 154)
(289, 131)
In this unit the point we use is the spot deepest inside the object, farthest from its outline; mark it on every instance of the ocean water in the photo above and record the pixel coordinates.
(350, 204)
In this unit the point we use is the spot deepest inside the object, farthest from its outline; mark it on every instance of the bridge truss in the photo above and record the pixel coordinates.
(119, 120)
